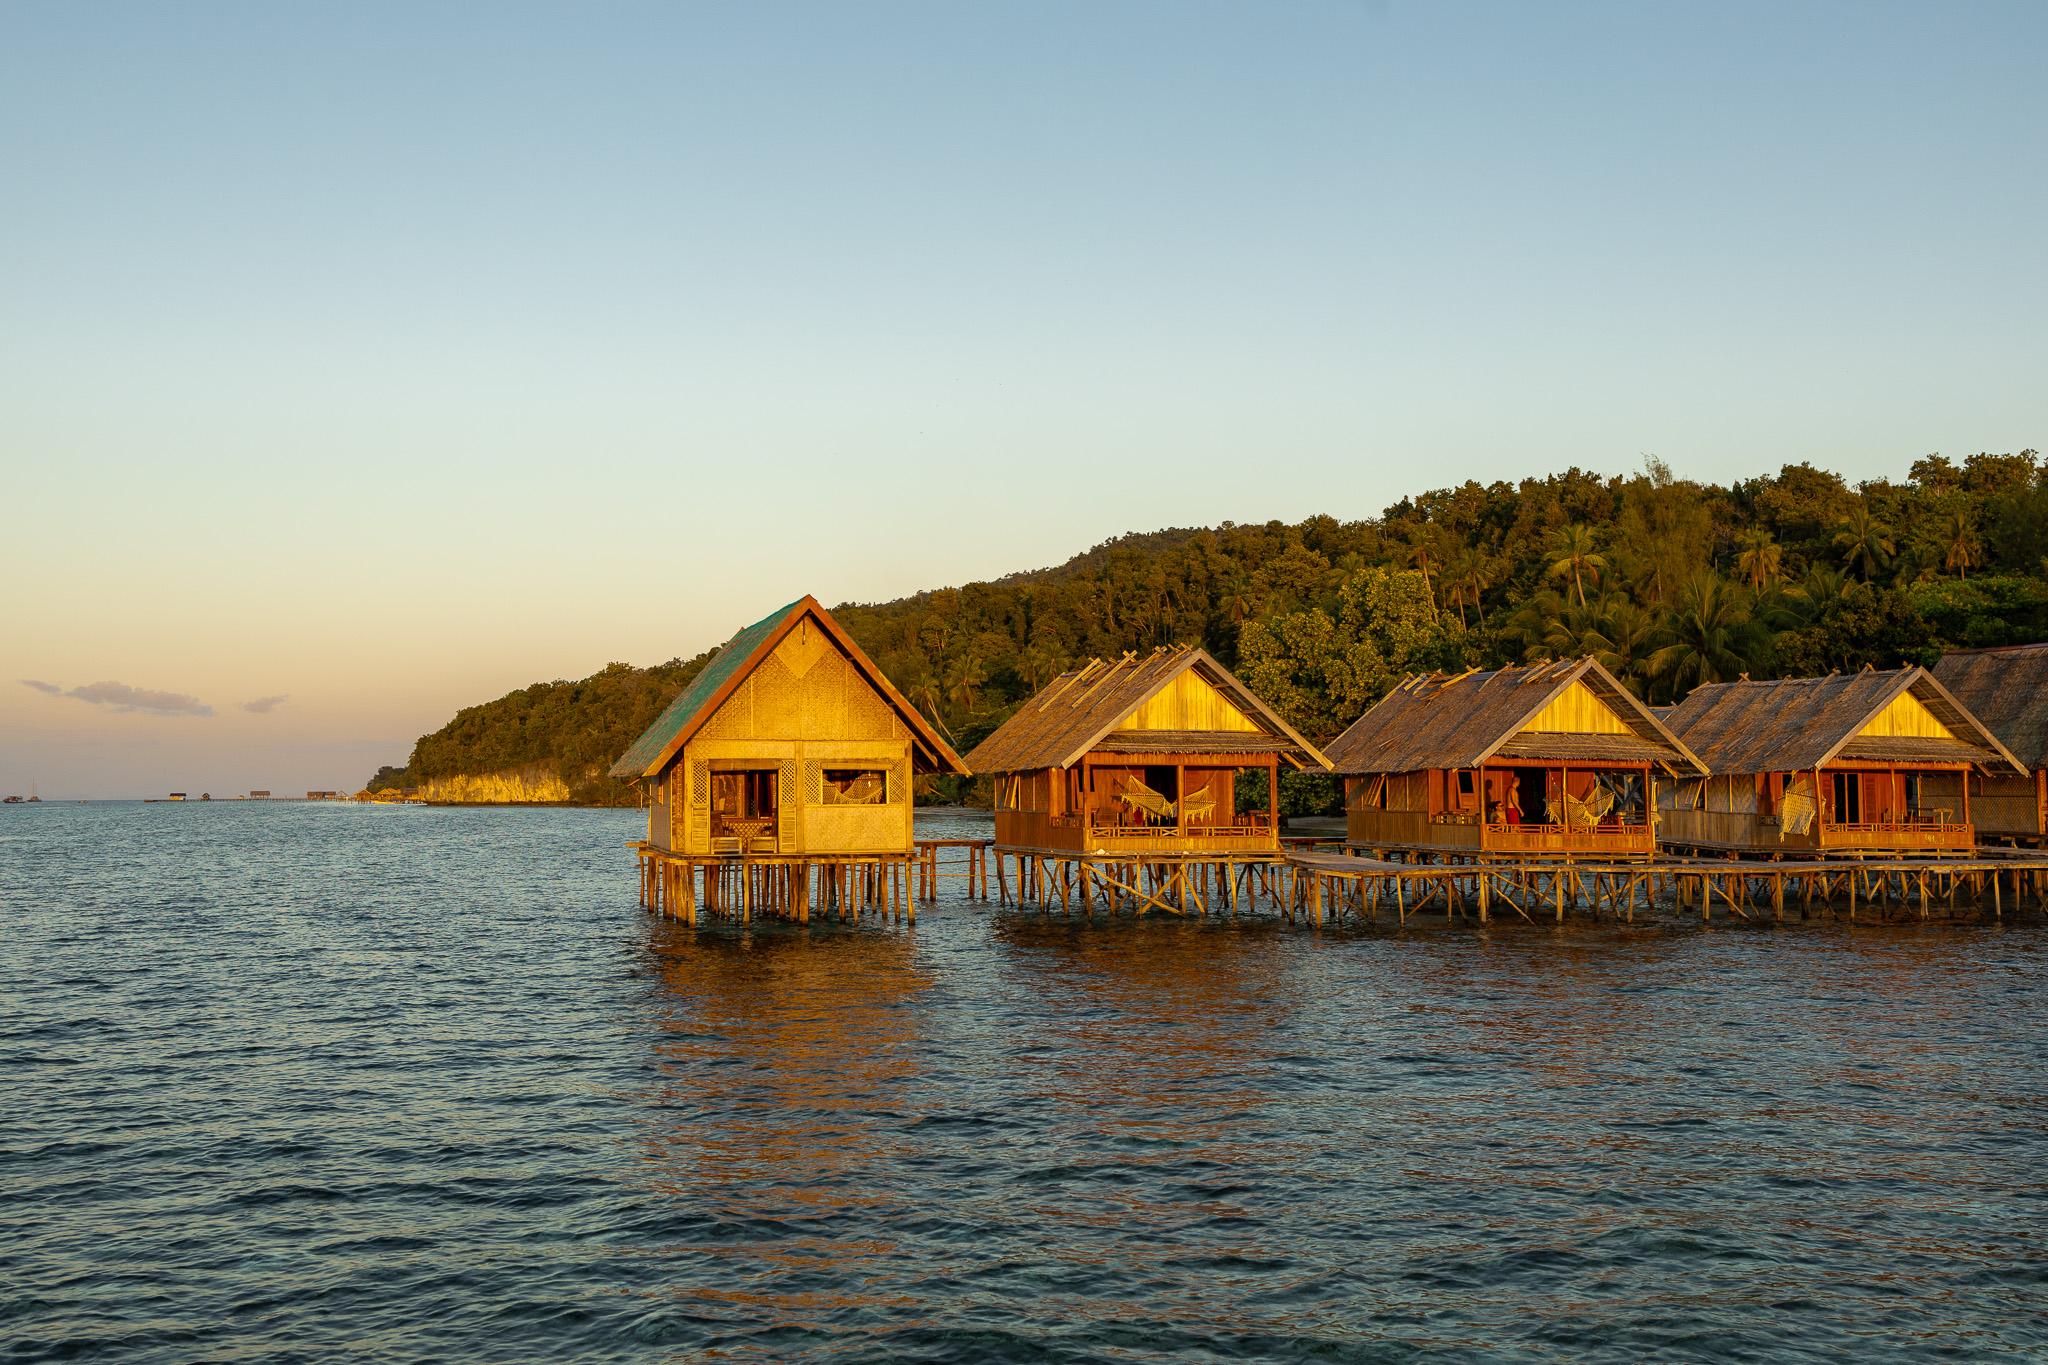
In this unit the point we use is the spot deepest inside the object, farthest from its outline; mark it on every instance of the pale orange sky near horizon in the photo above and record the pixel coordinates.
(387, 361)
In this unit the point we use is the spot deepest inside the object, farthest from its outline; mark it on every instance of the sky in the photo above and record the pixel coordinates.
(362, 362)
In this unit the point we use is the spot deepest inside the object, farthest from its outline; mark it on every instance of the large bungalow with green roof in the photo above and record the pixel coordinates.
(789, 744)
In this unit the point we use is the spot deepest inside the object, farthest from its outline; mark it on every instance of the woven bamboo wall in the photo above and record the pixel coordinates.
(804, 709)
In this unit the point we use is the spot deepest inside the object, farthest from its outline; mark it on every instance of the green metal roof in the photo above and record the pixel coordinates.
(699, 698)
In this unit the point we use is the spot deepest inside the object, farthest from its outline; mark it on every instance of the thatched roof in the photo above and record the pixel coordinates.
(1078, 713)
(2007, 689)
(1798, 723)
(1434, 720)
(741, 655)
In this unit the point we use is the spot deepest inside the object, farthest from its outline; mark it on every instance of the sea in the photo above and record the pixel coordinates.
(324, 1082)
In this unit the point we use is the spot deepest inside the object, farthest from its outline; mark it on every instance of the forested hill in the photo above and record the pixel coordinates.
(1670, 583)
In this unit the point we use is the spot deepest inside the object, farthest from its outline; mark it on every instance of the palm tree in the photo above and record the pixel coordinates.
(1919, 561)
(1533, 626)
(1237, 597)
(964, 676)
(1711, 635)
(1822, 588)
(1633, 637)
(1039, 665)
(1956, 533)
(1416, 553)
(923, 691)
(1574, 630)
(1469, 575)
(1865, 542)
(1572, 552)
(1760, 557)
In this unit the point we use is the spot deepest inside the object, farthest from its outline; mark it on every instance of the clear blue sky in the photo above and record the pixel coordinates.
(388, 357)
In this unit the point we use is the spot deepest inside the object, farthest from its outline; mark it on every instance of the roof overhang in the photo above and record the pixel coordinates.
(1217, 676)
(1945, 708)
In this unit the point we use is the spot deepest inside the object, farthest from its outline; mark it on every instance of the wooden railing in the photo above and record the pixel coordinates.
(1170, 831)
(1536, 838)
(1910, 833)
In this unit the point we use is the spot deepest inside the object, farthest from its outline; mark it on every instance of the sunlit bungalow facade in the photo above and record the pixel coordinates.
(790, 742)
(1864, 762)
(1140, 755)
(1556, 759)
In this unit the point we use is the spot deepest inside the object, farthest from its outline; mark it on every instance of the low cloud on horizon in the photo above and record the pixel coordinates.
(263, 706)
(121, 697)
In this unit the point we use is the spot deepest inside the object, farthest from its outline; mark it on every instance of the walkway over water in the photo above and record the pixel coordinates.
(1877, 888)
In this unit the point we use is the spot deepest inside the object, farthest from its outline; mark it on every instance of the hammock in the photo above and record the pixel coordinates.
(1197, 804)
(865, 790)
(1796, 811)
(1588, 811)
(1136, 793)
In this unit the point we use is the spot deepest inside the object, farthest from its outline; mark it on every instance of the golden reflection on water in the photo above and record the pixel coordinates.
(1139, 1022)
(781, 1055)
(1193, 1099)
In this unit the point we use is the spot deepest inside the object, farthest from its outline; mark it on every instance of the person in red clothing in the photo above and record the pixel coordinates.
(1512, 807)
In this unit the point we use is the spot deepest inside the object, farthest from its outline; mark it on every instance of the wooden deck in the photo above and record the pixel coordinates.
(1325, 886)
(1749, 889)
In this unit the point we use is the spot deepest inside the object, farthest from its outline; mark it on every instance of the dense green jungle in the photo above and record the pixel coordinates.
(1668, 582)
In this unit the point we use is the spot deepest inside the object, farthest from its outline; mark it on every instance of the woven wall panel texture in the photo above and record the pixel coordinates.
(735, 719)
(778, 702)
(824, 693)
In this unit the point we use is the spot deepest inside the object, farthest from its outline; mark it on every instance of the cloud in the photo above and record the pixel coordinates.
(263, 706)
(51, 688)
(121, 697)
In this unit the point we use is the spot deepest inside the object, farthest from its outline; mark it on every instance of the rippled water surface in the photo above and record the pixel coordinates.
(304, 1082)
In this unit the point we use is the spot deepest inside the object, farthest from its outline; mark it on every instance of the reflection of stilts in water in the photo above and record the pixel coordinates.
(770, 1110)
(843, 887)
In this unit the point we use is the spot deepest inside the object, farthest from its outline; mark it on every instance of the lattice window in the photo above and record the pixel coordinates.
(814, 782)
(788, 812)
(700, 785)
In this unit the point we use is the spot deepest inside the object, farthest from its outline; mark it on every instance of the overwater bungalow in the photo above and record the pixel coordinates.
(790, 743)
(1140, 756)
(1866, 762)
(2006, 689)
(1556, 759)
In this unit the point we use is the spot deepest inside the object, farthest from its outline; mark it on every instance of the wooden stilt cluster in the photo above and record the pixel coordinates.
(1328, 886)
(843, 887)
(1218, 883)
